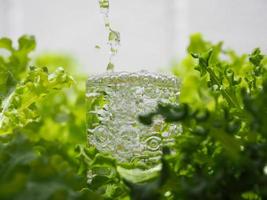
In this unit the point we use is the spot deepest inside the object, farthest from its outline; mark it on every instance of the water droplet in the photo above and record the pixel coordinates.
(110, 66)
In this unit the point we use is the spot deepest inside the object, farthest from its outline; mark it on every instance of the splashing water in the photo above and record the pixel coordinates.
(114, 102)
(113, 36)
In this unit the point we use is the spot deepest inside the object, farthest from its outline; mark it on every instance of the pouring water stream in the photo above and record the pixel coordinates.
(113, 36)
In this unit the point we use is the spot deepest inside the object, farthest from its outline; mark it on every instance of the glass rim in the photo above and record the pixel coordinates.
(134, 78)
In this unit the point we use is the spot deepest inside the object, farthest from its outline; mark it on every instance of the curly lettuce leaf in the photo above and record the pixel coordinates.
(19, 108)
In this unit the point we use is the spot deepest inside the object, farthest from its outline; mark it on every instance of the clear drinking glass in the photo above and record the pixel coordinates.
(114, 101)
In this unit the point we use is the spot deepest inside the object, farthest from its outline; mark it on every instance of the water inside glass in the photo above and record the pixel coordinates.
(114, 101)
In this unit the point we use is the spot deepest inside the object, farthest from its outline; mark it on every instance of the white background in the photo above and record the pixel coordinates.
(153, 32)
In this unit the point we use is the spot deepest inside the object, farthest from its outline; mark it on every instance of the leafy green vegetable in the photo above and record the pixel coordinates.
(44, 124)
(14, 66)
(19, 107)
(221, 153)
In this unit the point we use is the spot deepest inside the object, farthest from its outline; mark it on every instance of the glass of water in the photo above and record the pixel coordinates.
(114, 102)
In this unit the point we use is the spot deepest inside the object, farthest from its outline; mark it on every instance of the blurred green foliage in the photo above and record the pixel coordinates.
(41, 123)
(220, 154)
